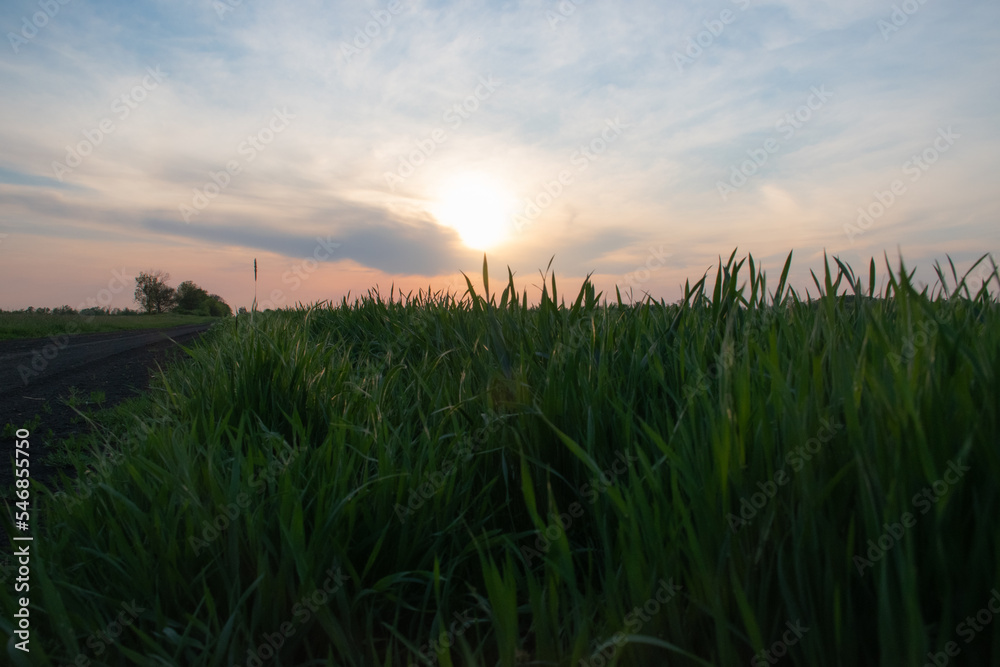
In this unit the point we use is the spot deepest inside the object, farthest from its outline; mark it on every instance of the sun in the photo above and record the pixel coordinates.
(476, 206)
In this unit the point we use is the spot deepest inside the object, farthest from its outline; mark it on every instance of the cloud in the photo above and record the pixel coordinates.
(14, 177)
(395, 247)
(364, 102)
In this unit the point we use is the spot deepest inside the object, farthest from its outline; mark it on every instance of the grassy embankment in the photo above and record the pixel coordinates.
(472, 481)
(39, 325)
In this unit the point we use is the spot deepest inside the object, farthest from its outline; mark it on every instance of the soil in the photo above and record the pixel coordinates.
(36, 377)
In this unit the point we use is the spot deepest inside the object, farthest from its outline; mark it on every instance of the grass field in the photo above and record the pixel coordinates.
(36, 325)
(469, 481)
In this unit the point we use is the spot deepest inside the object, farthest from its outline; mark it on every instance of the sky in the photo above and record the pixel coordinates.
(346, 146)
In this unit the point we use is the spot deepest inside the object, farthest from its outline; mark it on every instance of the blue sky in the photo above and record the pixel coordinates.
(650, 137)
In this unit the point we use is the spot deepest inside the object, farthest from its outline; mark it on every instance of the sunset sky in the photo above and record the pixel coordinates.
(396, 141)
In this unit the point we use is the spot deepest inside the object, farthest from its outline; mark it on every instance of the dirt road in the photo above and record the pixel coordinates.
(36, 376)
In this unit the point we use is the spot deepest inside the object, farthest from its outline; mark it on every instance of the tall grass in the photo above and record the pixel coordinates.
(448, 479)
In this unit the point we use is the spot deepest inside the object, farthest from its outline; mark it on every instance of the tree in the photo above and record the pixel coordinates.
(153, 293)
(193, 300)
(190, 297)
(218, 307)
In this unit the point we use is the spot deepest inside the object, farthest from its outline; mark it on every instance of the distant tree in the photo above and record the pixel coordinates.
(190, 297)
(64, 310)
(153, 293)
(218, 307)
(193, 300)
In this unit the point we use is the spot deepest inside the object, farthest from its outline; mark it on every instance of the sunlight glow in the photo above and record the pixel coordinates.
(477, 207)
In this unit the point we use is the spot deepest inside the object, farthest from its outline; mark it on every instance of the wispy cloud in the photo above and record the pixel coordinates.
(367, 83)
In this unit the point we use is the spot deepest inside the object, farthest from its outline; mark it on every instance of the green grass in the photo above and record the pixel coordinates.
(99, 426)
(648, 484)
(35, 325)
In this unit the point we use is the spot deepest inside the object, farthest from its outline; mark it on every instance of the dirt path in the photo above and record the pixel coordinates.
(116, 363)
